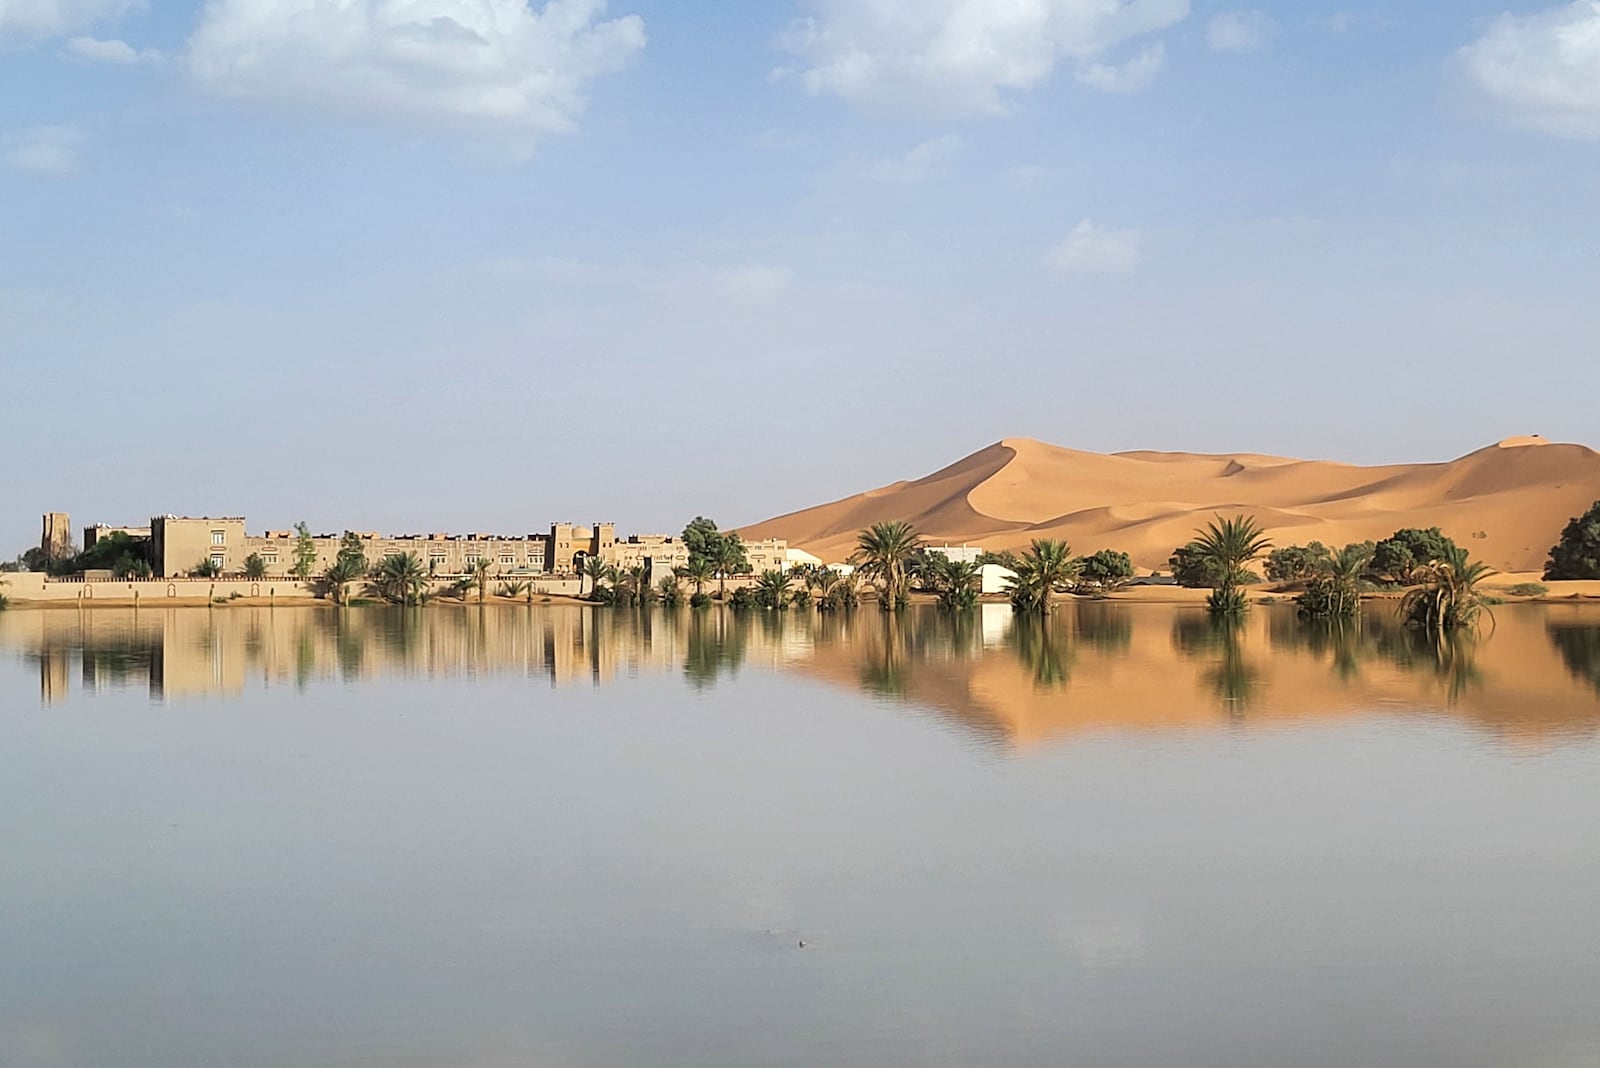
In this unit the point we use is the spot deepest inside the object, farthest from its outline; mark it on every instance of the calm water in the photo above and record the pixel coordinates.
(563, 837)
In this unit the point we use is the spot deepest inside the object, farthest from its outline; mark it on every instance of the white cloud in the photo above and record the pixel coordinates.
(119, 52)
(38, 20)
(1089, 249)
(755, 283)
(919, 162)
(1240, 31)
(1543, 70)
(497, 63)
(1134, 76)
(46, 150)
(956, 58)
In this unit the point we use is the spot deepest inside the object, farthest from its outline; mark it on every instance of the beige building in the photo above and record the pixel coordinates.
(181, 544)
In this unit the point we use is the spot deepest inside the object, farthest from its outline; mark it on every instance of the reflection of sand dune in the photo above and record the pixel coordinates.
(1091, 666)
(1509, 502)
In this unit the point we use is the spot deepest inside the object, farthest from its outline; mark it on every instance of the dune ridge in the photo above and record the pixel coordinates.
(1507, 503)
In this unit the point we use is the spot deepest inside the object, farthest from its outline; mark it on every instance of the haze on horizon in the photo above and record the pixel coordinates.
(481, 264)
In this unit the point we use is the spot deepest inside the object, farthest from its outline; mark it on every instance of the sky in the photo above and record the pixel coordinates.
(481, 265)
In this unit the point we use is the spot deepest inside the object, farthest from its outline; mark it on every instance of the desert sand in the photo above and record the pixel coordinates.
(1507, 503)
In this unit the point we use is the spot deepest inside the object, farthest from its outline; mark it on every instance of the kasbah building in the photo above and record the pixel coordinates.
(180, 544)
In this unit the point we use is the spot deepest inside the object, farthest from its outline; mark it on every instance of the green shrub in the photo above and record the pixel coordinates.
(1577, 554)
(1529, 589)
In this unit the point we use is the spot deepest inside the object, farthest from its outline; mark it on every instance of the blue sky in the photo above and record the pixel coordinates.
(476, 264)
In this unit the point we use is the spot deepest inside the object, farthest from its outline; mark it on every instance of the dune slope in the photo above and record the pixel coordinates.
(1507, 503)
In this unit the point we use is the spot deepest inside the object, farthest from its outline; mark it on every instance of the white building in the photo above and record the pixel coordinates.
(996, 579)
(965, 554)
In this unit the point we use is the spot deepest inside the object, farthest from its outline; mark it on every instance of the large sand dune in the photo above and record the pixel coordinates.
(1507, 503)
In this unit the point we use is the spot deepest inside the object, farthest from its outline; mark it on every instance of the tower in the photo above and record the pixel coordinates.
(56, 540)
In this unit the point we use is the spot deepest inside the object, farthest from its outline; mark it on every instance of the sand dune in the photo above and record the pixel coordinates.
(1507, 503)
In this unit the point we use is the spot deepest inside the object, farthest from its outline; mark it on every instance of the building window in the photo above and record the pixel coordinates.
(270, 559)
(507, 558)
(217, 560)
(218, 537)
(472, 559)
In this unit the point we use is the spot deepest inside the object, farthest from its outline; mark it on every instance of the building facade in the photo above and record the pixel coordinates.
(180, 545)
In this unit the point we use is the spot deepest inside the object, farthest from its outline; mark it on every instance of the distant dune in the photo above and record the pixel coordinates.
(1507, 503)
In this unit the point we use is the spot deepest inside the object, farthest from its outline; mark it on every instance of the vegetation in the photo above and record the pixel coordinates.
(1191, 568)
(481, 567)
(1529, 589)
(340, 574)
(955, 582)
(670, 591)
(598, 571)
(1299, 563)
(772, 589)
(1448, 598)
(305, 552)
(1105, 572)
(743, 598)
(1334, 591)
(400, 578)
(885, 553)
(1045, 569)
(1577, 554)
(206, 568)
(698, 572)
(721, 553)
(1226, 546)
(1407, 555)
(515, 588)
(254, 567)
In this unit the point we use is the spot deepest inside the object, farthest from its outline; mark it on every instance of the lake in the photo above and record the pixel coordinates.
(550, 836)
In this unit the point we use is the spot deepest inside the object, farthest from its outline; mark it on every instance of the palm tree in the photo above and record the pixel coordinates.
(668, 589)
(1226, 546)
(1335, 593)
(884, 553)
(1046, 569)
(400, 579)
(338, 577)
(772, 589)
(728, 558)
(597, 570)
(697, 570)
(480, 577)
(955, 581)
(1449, 598)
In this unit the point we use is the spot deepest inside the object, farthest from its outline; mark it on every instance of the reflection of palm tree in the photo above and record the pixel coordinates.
(1107, 628)
(1039, 644)
(885, 666)
(1231, 677)
(715, 644)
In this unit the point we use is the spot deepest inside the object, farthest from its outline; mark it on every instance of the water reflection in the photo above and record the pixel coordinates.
(1087, 666)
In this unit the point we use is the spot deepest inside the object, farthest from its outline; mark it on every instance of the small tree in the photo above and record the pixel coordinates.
(305, 552)
(1192, 568)
(206, 568)
(353, 554)
(1105, 571)
(1577, 554)
(772, 589)
(1405, 555)
(1047, 568)
(255, 567)
(1297, 563)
